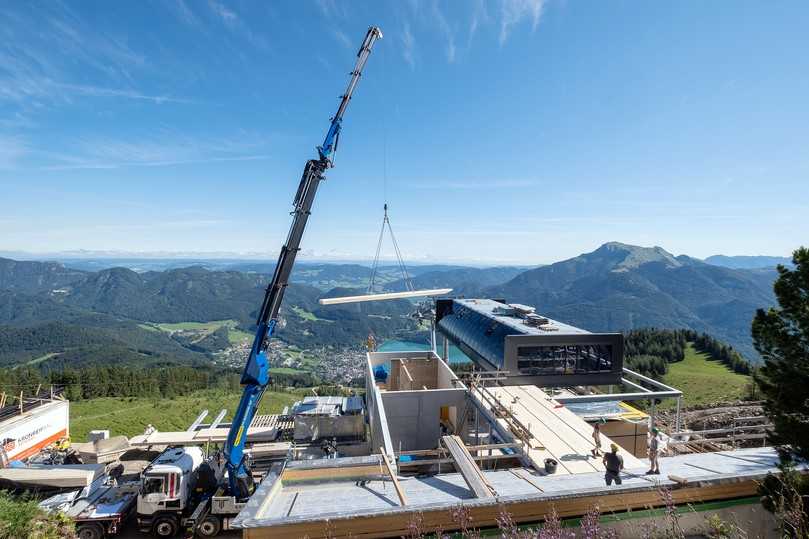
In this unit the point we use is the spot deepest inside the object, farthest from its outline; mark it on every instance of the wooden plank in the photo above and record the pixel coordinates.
(447, 460)
(381, 297)
(568, 458)
(407, 372)
(523, 474)
(573, 429)
(421, 452)
(392, 474)
(332, 474)
(575, 432)
(466, 466)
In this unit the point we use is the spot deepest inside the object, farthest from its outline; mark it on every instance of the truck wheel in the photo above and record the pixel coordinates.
(165, 526)
(91, 530)
(210, 527)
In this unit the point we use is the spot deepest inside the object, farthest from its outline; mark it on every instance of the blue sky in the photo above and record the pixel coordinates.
(507, 131)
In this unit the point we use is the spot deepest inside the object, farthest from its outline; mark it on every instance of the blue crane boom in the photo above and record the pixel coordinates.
(256, 373)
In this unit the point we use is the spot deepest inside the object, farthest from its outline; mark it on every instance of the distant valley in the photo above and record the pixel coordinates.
(54, 315)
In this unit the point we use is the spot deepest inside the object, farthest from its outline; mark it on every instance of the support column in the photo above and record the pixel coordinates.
(446, 350)
(477, 427)
(677, 426)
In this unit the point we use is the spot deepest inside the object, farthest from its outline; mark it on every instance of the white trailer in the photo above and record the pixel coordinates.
(27, 431)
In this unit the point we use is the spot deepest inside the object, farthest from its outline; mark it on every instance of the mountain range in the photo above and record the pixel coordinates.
(121, 312)
(619, 287)
(748, 262)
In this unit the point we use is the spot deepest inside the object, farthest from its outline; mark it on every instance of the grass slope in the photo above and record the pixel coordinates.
(129, 416)
(704, 380)
(235, 336)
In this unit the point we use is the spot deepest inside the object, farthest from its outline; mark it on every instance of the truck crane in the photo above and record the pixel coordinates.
(162, 507)
(256, 373)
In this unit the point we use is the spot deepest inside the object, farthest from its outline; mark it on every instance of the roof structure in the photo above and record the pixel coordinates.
(372, 508)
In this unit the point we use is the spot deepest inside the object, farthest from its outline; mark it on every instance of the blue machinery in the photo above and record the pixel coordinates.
(256, 373)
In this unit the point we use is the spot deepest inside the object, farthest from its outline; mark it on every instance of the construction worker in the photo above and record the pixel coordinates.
(654, 446)
(614, 463)
(597, 437)
(371, 343)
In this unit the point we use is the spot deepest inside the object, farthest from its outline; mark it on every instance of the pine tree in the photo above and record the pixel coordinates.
(781, 336)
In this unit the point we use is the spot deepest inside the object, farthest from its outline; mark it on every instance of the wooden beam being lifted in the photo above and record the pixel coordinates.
(389, 295)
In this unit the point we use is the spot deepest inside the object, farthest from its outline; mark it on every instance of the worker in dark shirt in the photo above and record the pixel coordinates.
(614, 463)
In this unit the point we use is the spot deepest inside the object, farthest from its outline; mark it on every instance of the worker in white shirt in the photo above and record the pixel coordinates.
(654, 447)
(596, 451)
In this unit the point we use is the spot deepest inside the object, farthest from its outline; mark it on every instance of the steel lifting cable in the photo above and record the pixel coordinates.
(385, 220)
(399, 258)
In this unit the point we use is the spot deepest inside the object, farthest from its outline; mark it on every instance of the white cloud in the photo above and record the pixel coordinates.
(479, 16)
(185, 13)
(221, 11)
(445, 28)
(12, 148)
(483, 184)
(408, 45)
(97, 91)
(238, 26)
(331, 9)
(342, 38)
(151, 150)
(514, 11)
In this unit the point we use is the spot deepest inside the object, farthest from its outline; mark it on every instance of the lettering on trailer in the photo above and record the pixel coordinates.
(11, 443)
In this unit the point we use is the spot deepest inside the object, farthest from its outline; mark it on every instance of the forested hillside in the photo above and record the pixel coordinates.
(54, 316)
(621, 287)
(650, 350)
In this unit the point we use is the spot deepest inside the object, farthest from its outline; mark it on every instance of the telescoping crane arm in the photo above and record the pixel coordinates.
(256, 373)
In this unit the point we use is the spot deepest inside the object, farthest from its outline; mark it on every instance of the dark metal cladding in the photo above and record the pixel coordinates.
(531, 348)
(478, 336)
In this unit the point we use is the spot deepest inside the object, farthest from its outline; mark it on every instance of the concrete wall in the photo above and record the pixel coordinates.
(423, 374)
(377, 422)
(414, 417)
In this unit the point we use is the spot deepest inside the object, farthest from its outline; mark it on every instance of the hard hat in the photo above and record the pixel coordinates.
(614, 447)
(654, 430)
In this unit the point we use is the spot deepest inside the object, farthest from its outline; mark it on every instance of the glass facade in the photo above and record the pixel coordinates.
(564, 359)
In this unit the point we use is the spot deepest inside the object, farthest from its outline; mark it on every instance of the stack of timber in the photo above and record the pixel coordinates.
(554, 432)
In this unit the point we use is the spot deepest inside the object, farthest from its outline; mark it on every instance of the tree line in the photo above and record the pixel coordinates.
(122, 381)
(650, 350)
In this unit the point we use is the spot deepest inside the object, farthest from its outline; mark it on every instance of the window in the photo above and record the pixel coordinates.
(564, 359)
(152, 484)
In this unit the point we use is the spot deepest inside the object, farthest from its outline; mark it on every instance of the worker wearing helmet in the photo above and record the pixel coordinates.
(614, 463)
(654, 446)
(371, 342)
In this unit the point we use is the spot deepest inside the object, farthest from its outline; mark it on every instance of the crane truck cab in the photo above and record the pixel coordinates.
(180, 491)
(167, 488)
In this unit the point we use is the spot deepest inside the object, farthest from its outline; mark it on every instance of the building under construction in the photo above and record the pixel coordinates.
(515, 436)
